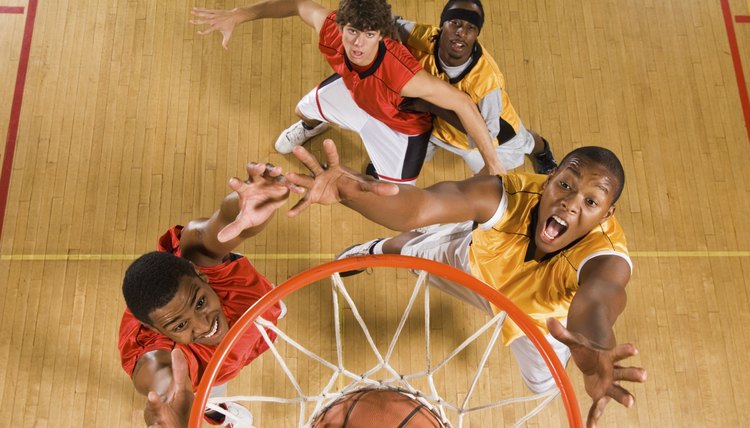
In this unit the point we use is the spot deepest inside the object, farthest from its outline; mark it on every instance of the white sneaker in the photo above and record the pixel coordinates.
(238, 416)
(296, 135)
(357, 250)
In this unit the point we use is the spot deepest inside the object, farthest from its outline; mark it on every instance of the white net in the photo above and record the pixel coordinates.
(303, 400)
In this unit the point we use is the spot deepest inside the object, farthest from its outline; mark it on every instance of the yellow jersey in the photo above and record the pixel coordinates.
(480, 79)
(502, 255)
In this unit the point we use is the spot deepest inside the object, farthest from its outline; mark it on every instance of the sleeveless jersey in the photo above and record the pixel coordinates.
(479, 79)
(502, 256)
(238, 285)
(376, 90)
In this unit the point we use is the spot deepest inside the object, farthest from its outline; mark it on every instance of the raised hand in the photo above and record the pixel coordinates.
(171, 410)
(334, 182)
(219, 20)
(601, 372)
(264, 191)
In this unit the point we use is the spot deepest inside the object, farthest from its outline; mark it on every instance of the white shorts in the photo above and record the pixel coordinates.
(449, 244)
(397, 157)
(511, 153)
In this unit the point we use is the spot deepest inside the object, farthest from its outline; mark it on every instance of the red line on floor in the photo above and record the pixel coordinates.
(15, 110)
(11, 9)
(742, 19)
(736, 59)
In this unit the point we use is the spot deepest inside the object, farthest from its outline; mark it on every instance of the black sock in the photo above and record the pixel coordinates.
(308, 127)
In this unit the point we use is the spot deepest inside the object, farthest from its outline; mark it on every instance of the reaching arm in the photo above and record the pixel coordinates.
(242, 214)
(224, 21)
(600, 299)
(163, 377)
(437, 92)
(396, 207)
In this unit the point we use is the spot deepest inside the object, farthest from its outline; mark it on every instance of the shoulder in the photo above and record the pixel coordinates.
(606, 243)
(329, 35)
(516, 183)
(420, 38)
(398, 56)
(484, 77)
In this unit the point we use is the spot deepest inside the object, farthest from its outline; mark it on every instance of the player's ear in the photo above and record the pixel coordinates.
(549, 177)
(200, 274)
(610, 212)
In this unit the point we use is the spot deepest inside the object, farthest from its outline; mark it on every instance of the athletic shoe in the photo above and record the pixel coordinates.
(239, 416)
(544, 162)
(297, 135)
(370, 170)
(355, 251)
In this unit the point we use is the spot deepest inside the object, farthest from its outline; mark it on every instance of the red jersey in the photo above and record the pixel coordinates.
(238, 285)
(377, 90)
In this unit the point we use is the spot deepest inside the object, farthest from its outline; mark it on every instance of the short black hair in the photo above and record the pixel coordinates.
(151, 282)
(604, 157)
(366, 15)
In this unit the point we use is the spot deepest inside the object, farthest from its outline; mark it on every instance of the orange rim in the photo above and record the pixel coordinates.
(317, 273)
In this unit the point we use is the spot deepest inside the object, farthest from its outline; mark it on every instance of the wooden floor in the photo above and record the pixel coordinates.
(130, 122)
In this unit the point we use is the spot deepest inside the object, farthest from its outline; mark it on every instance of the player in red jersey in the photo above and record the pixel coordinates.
(373, 75)
(182, 300)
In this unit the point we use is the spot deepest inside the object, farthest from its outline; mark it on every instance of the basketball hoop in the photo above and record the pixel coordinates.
(390, 378)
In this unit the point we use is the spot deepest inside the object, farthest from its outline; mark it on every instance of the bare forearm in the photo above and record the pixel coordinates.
(270, 9)
(594, 316)
(413, 207)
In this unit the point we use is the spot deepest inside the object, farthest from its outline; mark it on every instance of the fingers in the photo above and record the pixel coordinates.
(329, 147)
(231, 231)
(226, 35)
(307, 159)
(559, 332)
(596, 411)
(300, 206)
(624, 350)
(289, 185)
(621, 395)
(629, 374)
(380, 188)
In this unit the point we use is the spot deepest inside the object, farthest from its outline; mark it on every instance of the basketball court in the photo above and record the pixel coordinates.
(120, 121)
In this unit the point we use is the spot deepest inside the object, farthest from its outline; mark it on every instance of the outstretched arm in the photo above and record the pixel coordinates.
(163, 377)
(242, 214)
(224, 21)
(431, 89)
(598, 302)
(396, 207)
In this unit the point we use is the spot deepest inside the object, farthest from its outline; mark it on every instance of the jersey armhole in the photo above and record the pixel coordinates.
(499, 212)
(603, 253)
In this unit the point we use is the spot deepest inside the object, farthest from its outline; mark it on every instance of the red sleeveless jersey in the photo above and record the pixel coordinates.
(377, 90)
(238, 285)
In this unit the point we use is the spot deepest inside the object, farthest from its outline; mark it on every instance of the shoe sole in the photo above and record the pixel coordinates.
(349, 272)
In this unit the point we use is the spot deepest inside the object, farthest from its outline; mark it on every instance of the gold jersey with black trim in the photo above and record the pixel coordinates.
(503, 256)
(478, 80)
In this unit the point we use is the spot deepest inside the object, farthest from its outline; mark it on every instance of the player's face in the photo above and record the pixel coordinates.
(361, 47)
(576, 198)
(194, 314)
(458, 37)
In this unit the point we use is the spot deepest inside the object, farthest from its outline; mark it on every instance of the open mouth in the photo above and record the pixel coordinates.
(457, 45)
(554, 227)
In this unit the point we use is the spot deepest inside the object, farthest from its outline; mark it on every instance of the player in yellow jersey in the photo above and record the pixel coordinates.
(451, 52)
(550, 243)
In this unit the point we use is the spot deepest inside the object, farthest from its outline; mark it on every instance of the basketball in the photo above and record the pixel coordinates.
(380, 408)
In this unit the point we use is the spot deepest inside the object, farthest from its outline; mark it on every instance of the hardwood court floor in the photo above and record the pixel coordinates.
(130, 123)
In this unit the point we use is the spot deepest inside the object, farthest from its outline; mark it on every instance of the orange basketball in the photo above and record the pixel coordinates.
(379, 408)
